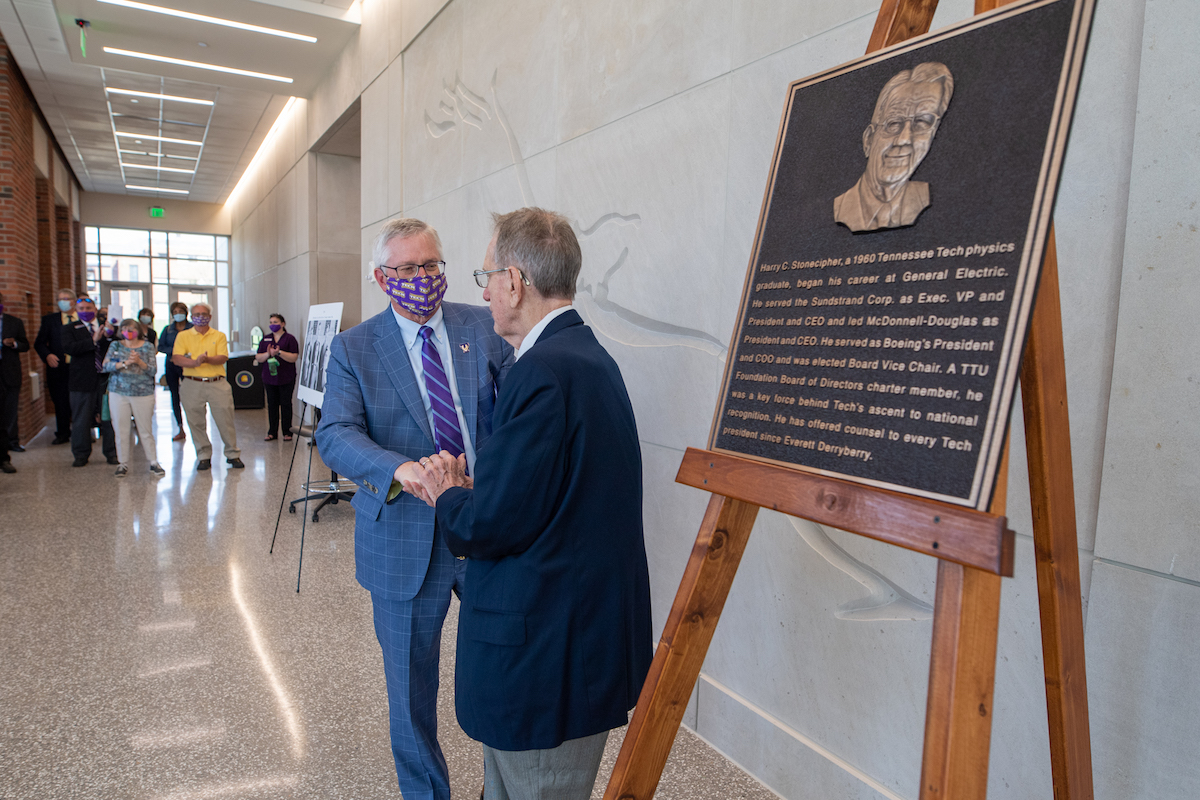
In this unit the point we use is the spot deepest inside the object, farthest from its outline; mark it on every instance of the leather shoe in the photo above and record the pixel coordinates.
(80, 462)
(16, 448)
(114, 460)
(236, 463)
(6, 466)
(203, 464)
(61, 439)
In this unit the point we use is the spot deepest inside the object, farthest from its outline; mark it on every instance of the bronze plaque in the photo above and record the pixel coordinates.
(897, 255)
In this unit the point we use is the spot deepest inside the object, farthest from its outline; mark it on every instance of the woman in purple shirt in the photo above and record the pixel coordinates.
(277, 352)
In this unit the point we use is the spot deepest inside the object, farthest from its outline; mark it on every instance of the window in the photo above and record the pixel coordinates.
(162, 266)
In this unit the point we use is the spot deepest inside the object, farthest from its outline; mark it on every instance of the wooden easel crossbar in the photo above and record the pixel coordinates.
(974, 549)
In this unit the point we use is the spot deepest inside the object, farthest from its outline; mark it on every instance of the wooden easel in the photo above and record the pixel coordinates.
(973, 549)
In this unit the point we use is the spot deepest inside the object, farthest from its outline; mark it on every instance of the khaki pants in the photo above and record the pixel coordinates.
(120, 406)
(218, 397)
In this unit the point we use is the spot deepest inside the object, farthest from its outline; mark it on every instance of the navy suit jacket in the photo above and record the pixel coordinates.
(10, 362)
(554, 631)
(373, 420)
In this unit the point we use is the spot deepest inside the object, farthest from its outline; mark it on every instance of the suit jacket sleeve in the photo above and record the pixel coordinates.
(17, 332)
(502, 516)
(345, 442)
(41, 342)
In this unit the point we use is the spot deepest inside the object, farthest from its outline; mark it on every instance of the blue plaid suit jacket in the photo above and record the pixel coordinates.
(373, 420)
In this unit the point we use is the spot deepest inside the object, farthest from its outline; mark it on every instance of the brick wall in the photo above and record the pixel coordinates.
(30, 251)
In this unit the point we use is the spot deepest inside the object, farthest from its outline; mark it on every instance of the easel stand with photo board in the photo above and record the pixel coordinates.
(974, 550)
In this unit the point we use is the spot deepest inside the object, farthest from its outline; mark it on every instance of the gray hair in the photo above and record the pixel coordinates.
(197, 305)
(402, 228)
(542, 245)
(929, 72)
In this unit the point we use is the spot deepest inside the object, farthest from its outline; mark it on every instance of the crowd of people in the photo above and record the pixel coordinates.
(101, 375)
(496, 457)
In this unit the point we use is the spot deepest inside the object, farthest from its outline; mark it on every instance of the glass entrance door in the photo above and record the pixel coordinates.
(131, 297)
(191, 295)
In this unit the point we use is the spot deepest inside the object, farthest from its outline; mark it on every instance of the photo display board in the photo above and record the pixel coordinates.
(897, 253)
(324, 322)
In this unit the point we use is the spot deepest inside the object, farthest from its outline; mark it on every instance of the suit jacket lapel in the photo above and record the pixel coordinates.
(390, 347)
(466, 369)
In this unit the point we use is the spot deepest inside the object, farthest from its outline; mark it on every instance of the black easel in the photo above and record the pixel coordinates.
(329, 492)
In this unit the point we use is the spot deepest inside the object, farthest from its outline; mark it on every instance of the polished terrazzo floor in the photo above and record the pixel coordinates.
(151, 647)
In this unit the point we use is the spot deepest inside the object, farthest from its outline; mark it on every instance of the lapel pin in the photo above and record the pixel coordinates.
(466, 348)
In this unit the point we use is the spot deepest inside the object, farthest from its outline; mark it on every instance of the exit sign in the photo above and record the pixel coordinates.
(156, 211)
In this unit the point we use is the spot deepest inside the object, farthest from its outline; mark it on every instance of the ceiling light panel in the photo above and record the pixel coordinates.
(129, 135)
(127, 165)
(169, 97)
(139, 188)
(116, 51)
(228, 23)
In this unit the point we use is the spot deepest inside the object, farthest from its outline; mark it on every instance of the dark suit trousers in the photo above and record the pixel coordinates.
(84, 408)
(10, 405)
(60, 395)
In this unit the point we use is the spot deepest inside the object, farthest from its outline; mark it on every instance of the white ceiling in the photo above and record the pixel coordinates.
(84, 117)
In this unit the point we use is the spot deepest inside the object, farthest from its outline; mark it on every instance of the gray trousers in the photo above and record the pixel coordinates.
(200, 398)
(566, 772)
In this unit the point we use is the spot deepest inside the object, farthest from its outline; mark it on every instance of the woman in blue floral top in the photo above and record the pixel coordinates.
(130, 359)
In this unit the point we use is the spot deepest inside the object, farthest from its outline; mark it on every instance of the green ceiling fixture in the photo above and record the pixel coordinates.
(83, 26)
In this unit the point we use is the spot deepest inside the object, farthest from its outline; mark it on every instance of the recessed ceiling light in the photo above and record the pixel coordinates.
(202, 44)
(140, 136)
(198, 65)
(228, 23)
(156, 189)
(133, 99)
(158, 169)
(155, 96)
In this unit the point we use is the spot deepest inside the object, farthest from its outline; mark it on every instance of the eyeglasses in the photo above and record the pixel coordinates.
(921, 124)
(409, 271)
(481, 279)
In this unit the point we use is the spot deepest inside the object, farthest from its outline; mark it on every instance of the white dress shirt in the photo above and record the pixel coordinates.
(411, 331)
(536, 331)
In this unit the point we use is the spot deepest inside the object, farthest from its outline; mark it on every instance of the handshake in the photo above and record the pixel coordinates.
(428, 477)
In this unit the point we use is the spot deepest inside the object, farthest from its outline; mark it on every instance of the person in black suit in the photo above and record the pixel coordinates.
(86, 341)
(49, 346)
(12, 344)
(554, 631)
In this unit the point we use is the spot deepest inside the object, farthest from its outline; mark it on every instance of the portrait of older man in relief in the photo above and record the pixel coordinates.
(907, 114)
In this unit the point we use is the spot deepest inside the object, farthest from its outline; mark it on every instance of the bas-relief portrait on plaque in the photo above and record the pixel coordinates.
(895, 143)
(888, 296)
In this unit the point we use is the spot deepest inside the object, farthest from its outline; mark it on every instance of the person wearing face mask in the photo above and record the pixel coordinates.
(130, 362)
(417, 377)
(146, 317)
(49, 347)
(202, 352)
(12, 344)
(174, 373)
(277, 352)
(86, 340)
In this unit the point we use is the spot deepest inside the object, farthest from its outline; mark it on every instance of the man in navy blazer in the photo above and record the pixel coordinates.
(379, 416)
(554, 632)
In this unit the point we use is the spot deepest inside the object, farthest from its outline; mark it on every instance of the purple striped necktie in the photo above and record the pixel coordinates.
(446, 433)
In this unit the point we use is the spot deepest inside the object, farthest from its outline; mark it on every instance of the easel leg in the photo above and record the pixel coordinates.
(685, 640)
(288, 479)
(1051, 491)
(962, 670)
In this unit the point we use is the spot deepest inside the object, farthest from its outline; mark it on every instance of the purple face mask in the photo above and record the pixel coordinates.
(1, 308)
(275, 327)
(129, 334)
(418, 296)
(87, 316)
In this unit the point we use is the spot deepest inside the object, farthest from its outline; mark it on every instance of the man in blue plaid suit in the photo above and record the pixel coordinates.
(385, 408)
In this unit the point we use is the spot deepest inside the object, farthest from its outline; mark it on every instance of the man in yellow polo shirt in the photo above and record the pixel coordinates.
(202, 352)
